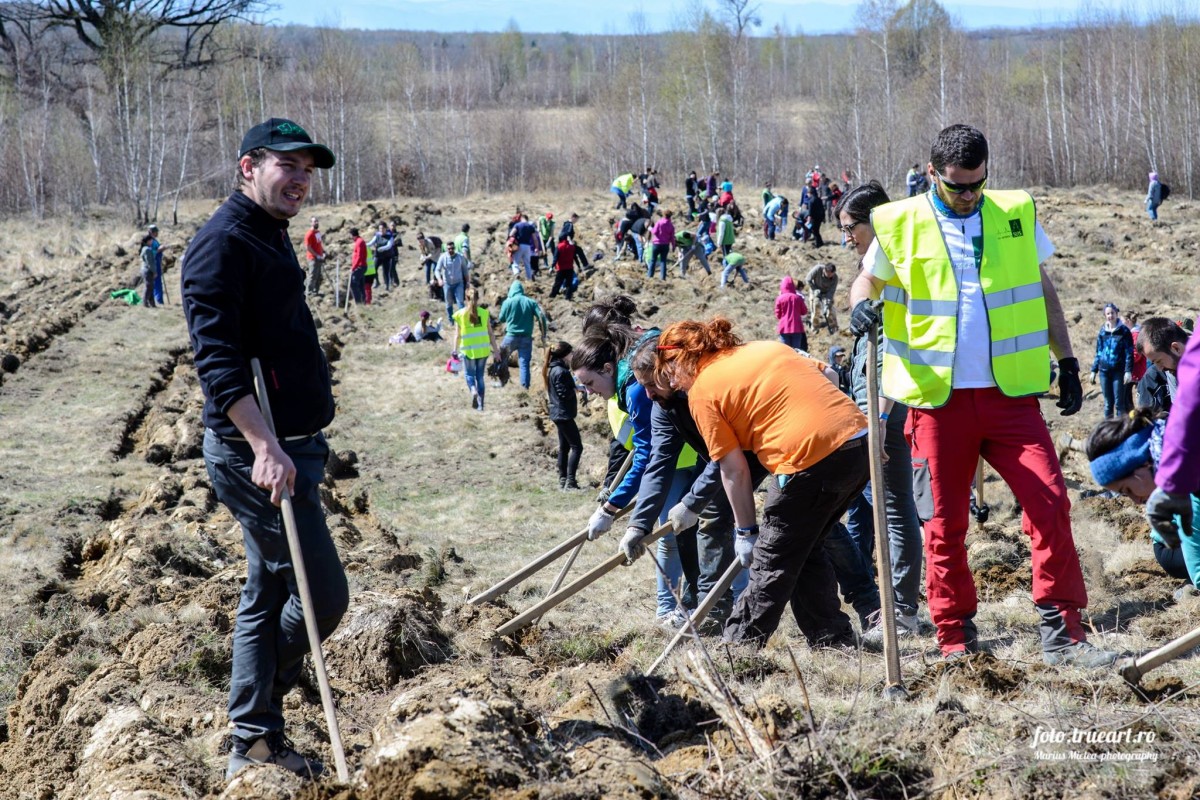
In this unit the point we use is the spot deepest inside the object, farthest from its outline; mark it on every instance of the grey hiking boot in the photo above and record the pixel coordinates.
(274, 748)
(1080, 654)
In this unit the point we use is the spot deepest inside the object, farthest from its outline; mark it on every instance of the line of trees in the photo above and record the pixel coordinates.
(142, 102)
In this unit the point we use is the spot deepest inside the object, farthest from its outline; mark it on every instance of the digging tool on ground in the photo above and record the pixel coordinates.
(1133, 669)
(562, 573)
(310, 621)
(552, 554)
(337, 283)
(570, 590)
(894, 687)
(699, 615)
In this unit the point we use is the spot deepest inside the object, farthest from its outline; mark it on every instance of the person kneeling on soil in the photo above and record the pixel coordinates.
(766, 398)
(1124, 453)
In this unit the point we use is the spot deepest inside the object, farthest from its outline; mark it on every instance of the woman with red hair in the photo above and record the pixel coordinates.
(767, 399)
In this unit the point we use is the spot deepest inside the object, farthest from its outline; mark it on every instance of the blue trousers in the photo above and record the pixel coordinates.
(524, 347)
(269, 637)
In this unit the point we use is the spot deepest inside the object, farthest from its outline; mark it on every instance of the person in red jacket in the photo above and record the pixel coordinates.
(358, 270)
(790, 310)
(569, 254)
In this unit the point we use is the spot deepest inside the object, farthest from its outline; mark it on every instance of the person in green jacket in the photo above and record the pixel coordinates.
(545, 227)
(518, 313)
(734, 262)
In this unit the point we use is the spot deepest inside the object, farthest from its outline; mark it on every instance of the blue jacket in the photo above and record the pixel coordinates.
(640, 407)
(243, 297)
(1114, 350)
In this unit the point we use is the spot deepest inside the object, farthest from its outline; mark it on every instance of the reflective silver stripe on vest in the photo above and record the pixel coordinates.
(1017, 294)
(933, 308)
(927, 308)
(1019, 344)
(923, 358)
(625, 435)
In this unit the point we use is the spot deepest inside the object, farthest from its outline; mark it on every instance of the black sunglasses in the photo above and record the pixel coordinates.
(959, 188)
(850, 228)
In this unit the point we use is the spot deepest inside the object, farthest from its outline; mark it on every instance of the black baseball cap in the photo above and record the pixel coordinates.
(282, 136)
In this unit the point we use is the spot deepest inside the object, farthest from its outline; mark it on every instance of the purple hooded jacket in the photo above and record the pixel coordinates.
(790, 308)
(1179, 470)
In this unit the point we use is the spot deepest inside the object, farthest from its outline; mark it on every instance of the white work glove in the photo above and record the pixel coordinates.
(743, 547)
(600, 523)
(631, 544)
(1129, 377)
(681, 517)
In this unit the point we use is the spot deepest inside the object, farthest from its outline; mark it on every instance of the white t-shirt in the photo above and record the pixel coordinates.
(964, 242)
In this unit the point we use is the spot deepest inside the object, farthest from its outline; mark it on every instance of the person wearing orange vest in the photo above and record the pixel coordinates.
(969, 318)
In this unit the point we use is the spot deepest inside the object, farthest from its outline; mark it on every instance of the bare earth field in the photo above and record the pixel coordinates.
(119, 573)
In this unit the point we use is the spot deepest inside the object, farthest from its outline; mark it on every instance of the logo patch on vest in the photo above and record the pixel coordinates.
(1014, 227)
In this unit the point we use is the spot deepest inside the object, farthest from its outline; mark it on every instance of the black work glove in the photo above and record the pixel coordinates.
(1161, 510)
(864, 316)
(1070, 391)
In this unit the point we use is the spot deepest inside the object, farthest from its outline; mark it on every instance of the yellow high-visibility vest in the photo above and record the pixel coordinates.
(474, 341)
(622, 429)
(920, 309)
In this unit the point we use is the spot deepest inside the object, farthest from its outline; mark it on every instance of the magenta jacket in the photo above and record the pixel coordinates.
(663, 232)
(790, 308)
(1179, 470)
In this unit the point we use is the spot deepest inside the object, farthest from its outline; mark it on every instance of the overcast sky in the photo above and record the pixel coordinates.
(615, 16)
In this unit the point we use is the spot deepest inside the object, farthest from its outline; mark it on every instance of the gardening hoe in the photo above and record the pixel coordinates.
(550, 555)
(979, 509)
(570, 590)
(894, 689)
(699, 615)
(310, 621)
(337, 283)
(562, 573)
(1132, 669)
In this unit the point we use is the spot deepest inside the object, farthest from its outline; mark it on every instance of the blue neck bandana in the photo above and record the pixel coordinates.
(1121, 461)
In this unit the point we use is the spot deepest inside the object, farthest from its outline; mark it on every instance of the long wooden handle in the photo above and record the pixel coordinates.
(576, 541)
(883, 550)
(306, 604)
(699, 615)
(580, 583)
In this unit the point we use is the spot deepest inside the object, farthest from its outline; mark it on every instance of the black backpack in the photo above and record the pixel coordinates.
(1165, 191)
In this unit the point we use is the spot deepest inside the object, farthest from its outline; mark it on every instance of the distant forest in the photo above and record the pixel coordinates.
(139, 104)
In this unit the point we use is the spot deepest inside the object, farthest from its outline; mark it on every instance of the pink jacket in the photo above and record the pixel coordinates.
(663, 232)
(790, 308)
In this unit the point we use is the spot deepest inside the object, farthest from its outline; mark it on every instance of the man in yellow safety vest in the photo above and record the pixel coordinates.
(969, 318)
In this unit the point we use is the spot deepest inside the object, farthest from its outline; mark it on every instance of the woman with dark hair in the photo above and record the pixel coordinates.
(853, 215)
(563, 406)
(1124, 453)
(767, 399)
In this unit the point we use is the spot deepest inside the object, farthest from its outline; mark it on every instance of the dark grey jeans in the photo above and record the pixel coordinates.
(790, 563)
(269, 638)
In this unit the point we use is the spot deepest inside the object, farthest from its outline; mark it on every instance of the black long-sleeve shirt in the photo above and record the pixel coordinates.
(243, 296)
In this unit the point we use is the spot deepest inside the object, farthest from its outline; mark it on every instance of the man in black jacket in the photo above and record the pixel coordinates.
(243, 295)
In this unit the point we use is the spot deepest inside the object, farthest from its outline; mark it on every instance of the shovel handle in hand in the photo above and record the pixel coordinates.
(302, 587)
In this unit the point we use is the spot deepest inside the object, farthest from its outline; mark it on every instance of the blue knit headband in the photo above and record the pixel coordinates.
(1121, 461)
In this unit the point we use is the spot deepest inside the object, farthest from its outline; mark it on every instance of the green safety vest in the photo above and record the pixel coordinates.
(920, 309)
(735, 259)
(474, 341)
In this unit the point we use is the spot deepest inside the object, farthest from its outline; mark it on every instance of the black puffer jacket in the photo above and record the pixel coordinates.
(564, 403)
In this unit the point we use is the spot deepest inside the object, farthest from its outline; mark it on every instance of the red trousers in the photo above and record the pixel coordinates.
(1012, 437)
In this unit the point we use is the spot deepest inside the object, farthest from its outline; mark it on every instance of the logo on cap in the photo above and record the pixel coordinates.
(290, 129)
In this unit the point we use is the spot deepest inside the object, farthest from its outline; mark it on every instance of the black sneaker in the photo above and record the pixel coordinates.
(274, 748)
(1081, 654)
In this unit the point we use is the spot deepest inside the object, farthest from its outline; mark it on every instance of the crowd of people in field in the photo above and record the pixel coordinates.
(952, 316)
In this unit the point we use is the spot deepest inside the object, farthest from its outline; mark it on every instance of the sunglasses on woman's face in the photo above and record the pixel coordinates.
(959, 188)
(850, 228)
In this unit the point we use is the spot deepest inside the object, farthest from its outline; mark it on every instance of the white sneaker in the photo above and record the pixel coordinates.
(674, 620)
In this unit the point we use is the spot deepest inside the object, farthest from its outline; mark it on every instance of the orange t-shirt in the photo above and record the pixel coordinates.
(766, 398)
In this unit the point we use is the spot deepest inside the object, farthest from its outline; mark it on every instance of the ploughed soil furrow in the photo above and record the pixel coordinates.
(65, 414)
